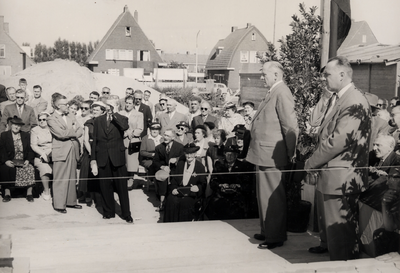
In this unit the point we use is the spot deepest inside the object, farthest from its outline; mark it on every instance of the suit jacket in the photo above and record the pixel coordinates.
(167, 123)
(135, 122)
(274, 129)
(109, 143)
(7, 149)
(147, 118)
(187, 138)
(161, 158)
(198, 120)
(343, 143)
(28, 117)
(65, 137)
(38, 105)
(3, 93)
(198, 179)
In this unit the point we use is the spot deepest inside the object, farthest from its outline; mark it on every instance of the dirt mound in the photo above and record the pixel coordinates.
(71, 79)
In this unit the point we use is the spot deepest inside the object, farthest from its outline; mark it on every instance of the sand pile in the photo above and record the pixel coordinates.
(71, 79)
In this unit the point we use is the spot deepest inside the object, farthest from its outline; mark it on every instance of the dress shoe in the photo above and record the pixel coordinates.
(317, 250)
(7, 198)
(259, 237)
(267, 245)
(29, 198)
(108, 216)
(75, 207)
(128, 219)
(61, 210)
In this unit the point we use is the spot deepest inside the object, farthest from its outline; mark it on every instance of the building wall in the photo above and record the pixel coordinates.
(252, 88)
(376, 78)
(13, 56)
(118, 40)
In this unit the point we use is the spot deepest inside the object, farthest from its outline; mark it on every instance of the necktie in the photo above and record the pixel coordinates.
(204, 118)
(188, 166)
(168, 149)
(331, 104)
(20, 111)
(108, 121)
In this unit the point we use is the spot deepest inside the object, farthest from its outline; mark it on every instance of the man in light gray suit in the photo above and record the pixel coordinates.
(171, 118)
(274, 132)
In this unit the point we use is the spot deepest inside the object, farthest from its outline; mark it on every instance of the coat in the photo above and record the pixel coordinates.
(38, 105)
(7, 149)
(343, 146)
(65, 137)
(28, 117)
(147, 117)
(161, 158)
(167, 123)
(274, 129)
(198, 120)
(109, 143)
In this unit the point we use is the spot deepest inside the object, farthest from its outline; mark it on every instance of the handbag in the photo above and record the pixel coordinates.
(134, 147)
(18, 162)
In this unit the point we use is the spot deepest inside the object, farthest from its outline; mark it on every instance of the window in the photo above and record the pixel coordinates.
(143, 55)
(253, 57)
(128, 31)
(253, 37)
(364, 39)
(244, 56)
(2, 50)
(119, 54)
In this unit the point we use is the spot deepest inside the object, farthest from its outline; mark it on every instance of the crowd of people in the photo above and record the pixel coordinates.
(229, 166)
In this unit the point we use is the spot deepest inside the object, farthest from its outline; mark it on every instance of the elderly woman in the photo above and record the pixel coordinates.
(85, 186)
(132, 139)
(230, 119)
(41, 143)
(16, 160)
(186, 187)
(201, 141)
(182, 135)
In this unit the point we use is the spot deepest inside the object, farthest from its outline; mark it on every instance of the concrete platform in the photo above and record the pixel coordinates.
(81, 241)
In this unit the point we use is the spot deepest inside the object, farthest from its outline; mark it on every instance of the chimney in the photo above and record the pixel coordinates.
(136, 16)
(6, 28)
(234, 29)
(126, 8)
(1, 23)
(248, 25)
(187, 53)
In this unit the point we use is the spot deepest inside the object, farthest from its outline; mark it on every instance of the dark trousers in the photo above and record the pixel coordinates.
(110, 180)
(338, 224)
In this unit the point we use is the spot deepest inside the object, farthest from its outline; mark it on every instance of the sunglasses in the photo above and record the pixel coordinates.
(162, 104)
(85, 108)
(42, 119)
(138, 99)
(181, 128)
(20, 97)
(105, 93)
(379, 105)
(203, 108)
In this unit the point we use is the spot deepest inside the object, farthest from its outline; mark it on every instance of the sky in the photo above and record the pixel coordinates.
(173, 24)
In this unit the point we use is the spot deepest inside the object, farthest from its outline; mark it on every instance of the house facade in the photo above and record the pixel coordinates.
(125, 45)
(236, 54)
(12, 57)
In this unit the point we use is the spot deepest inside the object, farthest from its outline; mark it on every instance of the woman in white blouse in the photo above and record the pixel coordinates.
(201, 140)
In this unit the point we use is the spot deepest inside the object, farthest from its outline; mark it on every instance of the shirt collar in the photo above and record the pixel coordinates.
(275, 84)
(343, 90)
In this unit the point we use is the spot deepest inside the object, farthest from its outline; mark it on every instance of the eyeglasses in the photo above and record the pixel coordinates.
(203, 108)
(20, 97)
(162, 104)
(138, 99)
(85, 108)
(106, 93)
(42, 119)
(379, 105)
(181, 128)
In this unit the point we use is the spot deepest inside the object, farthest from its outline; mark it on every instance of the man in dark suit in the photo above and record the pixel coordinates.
(166, 157)
(205, 115)
(21, 110)
(342, 152)
(273, 133)
(143, 108)
(108, 161)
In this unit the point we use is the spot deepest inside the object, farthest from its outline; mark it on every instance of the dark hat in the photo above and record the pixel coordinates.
(155, 126)
(200, 127)
(190, 148)
(16, 120)
(230, 105)
(248, 103)
(182, 123)
(231, 148)
(239, 127)
(210, 124)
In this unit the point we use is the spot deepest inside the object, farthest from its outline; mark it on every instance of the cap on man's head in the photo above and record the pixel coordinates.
(155, 126)
(182, 123)
(251, 104)
(232, 149)
(99, 103)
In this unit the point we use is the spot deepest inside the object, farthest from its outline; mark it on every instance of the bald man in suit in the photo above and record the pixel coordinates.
(274, 132)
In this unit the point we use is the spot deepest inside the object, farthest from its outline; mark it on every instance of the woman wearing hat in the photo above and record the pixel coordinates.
(87, 188)
(41, 143)
(230, 119)
(181, 133)
(201, 141)
(187, 185)
(16, 160)
(148, 147)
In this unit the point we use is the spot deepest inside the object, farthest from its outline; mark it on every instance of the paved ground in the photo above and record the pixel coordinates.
(82, 241)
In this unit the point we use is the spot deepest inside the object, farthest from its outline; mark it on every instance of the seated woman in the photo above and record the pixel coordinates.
(200, 140)
(16, 160)
(215, 152)
(41, 143)
(230, 188)
(148, 147)
(187, 184)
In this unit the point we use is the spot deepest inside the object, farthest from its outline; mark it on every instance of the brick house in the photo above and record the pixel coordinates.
(236, 54)
(12, 57)
(124, 46)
